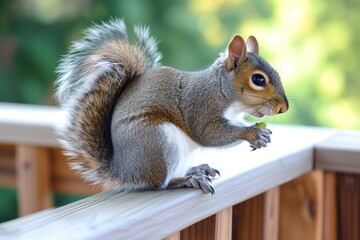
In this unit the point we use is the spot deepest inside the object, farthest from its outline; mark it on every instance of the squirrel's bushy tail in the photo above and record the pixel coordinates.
(91, 78)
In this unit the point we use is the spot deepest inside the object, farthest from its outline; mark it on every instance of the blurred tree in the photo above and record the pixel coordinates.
(314, 44)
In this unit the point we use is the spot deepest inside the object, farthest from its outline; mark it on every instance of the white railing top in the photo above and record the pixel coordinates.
(157, 214)
(340, 153)
(29, 124)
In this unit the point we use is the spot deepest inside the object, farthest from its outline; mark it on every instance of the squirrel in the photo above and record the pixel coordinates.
(132, 124)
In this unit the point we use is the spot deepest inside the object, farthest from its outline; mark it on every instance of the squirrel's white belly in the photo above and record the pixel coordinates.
(178, 152)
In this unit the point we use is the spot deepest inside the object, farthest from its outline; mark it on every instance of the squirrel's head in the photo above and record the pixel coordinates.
(255, 83)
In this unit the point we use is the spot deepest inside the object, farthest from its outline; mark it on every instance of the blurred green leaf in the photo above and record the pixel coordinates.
(314, 44)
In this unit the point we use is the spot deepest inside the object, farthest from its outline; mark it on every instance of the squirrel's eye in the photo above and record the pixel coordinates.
(258, 79)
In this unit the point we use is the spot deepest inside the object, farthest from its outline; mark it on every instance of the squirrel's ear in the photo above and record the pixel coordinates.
(237, 52)
(252, 45)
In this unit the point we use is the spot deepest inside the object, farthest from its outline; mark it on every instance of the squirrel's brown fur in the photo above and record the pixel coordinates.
(132, 125)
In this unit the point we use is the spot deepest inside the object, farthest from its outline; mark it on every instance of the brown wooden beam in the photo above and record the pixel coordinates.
(33, 179)
(7, 165)
(301, 211)
(248, 219)
(330, 207)
(62, 178)
(348, 195)
(203, 230)
(272, 214)
(223, 224)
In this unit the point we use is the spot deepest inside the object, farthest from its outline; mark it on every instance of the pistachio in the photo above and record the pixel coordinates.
(260, 125)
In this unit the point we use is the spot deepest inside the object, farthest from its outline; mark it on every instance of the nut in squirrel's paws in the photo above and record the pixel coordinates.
(262, 136)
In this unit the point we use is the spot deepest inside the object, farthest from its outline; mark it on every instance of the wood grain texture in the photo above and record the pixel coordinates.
(223, 224)
(339, 153)
(258, 217)
(330, 207)
(158, 214)
(348, 195)
(202, 230)
(62, 178)
(33, 179)
(301, 212)
(7, 166)
(174, 236)
(248, 219)
(271, 214)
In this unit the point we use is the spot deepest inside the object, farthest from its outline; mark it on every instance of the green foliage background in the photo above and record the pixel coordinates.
(314, 44)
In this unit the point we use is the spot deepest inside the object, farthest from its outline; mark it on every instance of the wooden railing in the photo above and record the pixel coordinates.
(302, 186)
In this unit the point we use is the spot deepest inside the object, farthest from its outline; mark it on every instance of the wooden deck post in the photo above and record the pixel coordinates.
(302, 209)
(330, 208)
(258, 217)
(248, 219)
(223, 224)
(33, 179)
(203, 230)
(174, 236)
(271, 214)
(348, 196)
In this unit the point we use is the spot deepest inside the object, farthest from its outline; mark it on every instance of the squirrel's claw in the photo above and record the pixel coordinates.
(202, 182)
(197, 180)
(262, 138)
(205, 169)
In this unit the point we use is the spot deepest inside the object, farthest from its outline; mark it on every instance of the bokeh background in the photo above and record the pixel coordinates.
(314, 45)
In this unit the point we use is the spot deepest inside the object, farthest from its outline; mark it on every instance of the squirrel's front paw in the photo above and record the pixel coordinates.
(258, 137)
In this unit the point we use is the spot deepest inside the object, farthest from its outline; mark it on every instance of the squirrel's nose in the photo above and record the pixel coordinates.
(281, 107)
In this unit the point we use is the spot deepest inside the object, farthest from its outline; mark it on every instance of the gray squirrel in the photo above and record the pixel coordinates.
(131, 124)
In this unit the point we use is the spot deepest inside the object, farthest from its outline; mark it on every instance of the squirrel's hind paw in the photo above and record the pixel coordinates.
(205, 169)
(198, 180)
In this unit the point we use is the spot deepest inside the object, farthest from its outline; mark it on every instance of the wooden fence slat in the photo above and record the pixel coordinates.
(330, 209)
(63, 178)
(33, 179)
(174, 236)
(223, 224)
(271, 214)
(248, 219)
(7, 165)
(301, 212)
(348, 195)
(203, 230)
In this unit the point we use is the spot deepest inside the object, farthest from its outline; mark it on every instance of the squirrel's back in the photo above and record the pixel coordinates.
(133, 127)
(91, 77)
